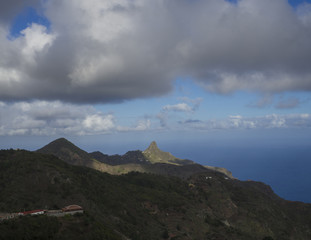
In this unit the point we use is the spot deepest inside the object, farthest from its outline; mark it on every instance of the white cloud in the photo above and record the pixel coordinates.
(51, 118)
(143, 125)
(56, 118)
(188, 105)
(196, 102)
(304, 13)
(99, 123)
(235, 117)
(276, 121)
(35, 40)
(180, 107)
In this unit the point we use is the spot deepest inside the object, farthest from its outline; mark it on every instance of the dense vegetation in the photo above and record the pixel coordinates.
(141, 205)
(79, 226)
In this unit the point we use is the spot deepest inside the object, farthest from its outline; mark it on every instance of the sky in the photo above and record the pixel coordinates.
(133, 71)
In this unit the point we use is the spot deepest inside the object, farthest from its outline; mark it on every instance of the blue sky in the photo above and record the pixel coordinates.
(25, 18)
(149, 70)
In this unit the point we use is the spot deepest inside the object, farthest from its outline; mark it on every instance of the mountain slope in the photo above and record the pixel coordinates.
(135, 157)
(67, 151)
(142, 206)
(221, 170)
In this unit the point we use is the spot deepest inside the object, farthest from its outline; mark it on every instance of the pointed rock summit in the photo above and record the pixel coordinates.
(154, 155)
(153, 147)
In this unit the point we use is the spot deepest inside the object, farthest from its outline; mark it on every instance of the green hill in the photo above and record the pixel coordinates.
(67, 151)
(140, 205)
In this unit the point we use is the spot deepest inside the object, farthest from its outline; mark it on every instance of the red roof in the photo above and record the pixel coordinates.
(72, 208)
(32, 211)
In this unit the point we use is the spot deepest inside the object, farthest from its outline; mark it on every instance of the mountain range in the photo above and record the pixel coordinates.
(146, 194)
(151, 160)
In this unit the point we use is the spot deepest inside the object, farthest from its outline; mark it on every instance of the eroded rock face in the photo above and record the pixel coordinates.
(154, 155)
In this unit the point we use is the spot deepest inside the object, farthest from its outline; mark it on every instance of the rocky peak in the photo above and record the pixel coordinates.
(153, 147)
(155, 155)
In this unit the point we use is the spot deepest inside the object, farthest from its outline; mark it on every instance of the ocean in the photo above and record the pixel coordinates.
(285, 169)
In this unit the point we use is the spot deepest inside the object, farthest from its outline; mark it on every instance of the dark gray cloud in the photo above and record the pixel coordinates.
(288, 103)
(114, 50)
(264, 101)
(191, 121)
(9, 9)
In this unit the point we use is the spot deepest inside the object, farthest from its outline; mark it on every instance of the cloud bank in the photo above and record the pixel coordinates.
(42, 118)
(53, 118)
(115, 50)
(272, 121)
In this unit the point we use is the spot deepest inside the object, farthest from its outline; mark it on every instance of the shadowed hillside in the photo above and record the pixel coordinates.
(141, 206)
(68, 152)
(135, 157)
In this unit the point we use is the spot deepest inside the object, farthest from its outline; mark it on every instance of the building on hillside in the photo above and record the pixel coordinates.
(55, 213)
(72, 209)
(69, 210)
(32, 212)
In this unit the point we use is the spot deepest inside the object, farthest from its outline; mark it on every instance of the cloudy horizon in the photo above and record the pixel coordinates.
(80, 68)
